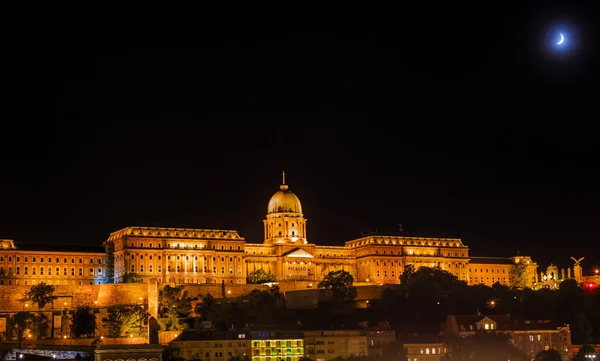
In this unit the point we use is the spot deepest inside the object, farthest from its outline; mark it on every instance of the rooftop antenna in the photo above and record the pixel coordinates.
(283, 174)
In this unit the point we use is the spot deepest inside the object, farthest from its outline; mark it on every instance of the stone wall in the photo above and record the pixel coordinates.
(72, 296)
(87, 342)
(122, 293)
(110, 294)
(216, 290)
(103, 296)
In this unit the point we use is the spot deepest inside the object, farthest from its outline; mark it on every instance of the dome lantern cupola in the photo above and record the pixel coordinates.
(285, 222)
(284, 201)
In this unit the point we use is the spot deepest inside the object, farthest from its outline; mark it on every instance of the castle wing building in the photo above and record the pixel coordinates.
(189, 255)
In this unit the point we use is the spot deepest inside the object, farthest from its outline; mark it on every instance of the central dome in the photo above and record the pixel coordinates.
(284, 201)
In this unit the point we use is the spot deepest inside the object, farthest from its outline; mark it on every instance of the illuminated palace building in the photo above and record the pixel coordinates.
(183, 255)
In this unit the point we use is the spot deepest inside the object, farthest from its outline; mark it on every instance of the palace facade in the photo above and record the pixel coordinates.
(186, 255)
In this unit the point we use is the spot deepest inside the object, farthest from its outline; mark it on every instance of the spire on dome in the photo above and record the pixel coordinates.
(283, 186)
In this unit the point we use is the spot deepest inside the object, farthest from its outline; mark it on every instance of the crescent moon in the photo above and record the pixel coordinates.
(562, 39)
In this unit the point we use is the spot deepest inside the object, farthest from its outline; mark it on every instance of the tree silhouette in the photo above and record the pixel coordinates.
(341, 282)
(174, 302)
(40, 294)
(84, 321)
(518, 275)
(123, 319)
(260, 276)
(548, 355)
(585, 353)
(22, 322)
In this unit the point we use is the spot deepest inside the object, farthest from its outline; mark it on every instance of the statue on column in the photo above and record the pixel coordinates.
(577, 268)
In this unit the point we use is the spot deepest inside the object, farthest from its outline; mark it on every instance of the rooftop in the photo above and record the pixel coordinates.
(60, 247)
(491, 260)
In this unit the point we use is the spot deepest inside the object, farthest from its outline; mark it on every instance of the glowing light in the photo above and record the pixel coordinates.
(562, 39)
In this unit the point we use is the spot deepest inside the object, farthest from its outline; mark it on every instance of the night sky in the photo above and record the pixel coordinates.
(452, 122)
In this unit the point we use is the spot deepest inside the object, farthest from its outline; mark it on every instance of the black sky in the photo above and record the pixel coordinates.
(454, 122)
